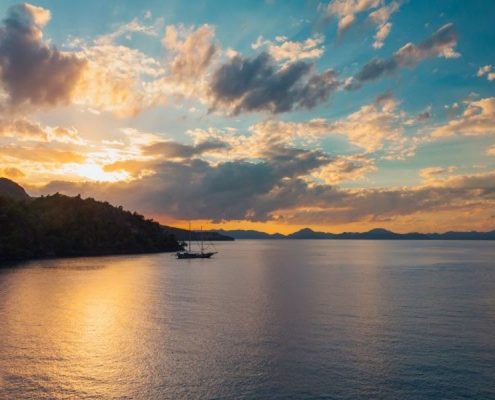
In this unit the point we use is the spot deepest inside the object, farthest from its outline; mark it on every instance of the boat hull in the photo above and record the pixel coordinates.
(185, 255)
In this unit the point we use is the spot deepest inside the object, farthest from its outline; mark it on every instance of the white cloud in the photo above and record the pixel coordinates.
(486, 70)
(284, 49)
(346, 11)
(478, 118)
(381, 35)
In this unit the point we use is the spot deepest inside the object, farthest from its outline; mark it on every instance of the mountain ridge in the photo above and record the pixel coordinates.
(373, 234)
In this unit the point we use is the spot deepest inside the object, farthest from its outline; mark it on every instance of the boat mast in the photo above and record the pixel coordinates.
(201, 240)
(190, 234)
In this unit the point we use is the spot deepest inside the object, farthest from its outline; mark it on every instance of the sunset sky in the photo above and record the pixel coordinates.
(269, 115)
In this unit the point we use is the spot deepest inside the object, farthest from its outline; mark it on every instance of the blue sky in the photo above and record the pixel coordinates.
(422, 124)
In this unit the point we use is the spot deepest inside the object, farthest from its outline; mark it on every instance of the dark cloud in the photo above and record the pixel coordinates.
(258, 84)
(32, 71)
(263, 191)
(423, 116)
(194, 188)
(384, 98)
(439, 44)
(178, 150)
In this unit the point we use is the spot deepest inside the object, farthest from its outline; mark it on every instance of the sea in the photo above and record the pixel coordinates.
(262, 319)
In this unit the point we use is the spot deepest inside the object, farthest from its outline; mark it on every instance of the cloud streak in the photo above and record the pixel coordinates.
(439, 44)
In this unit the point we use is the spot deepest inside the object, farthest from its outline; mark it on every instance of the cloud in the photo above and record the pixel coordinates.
(380, 17)
(194, 188)
(486, 70)
(346, 168)
(13, 173)
(132, 168)
(23, 129)
(170, 149)
(491, 151)
(378, 126)
(345, 10)
(193, 51)
(99, 75)
(117, 79)
(440, 44)
(263, 139)
(372, 124)
(367, 128)
(134, 26)
(478, 118)
(41, 154)
(283, 49)
(258, 84)
(424, 115)
(381, 35)
(371, 127)
(433, 174)
(32, 72)
(275, 190)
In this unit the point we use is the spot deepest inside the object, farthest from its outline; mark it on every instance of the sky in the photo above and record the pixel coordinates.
(344, 115)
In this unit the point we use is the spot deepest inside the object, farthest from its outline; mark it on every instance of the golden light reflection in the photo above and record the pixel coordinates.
(85, 329)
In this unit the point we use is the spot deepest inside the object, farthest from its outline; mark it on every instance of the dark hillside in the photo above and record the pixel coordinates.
(59, 225)
(12, 190)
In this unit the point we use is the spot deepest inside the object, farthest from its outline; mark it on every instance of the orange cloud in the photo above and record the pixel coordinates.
(42, 154)
(478, 118)
(13, 173)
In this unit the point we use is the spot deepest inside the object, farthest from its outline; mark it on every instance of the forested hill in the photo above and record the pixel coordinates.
(59, 225)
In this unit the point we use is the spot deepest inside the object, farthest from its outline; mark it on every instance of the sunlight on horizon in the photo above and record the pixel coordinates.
(96, 173)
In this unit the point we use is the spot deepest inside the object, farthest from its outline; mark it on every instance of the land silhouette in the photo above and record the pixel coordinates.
(374, 234)
(63, 226)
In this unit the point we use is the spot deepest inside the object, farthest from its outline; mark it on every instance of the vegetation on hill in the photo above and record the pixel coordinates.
(59, 225)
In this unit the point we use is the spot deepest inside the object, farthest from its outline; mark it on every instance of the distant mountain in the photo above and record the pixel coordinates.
(374, 234)
(307, 233)
(473, 235)
(12, 190)
(250, 234)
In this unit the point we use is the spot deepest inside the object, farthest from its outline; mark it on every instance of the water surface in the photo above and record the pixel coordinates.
(264, 319)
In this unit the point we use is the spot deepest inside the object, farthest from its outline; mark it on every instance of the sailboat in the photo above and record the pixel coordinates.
(186, 254)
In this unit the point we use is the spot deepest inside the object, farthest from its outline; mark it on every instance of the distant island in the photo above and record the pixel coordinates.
(374, 234)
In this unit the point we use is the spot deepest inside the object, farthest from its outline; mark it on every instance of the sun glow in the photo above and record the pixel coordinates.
(95, 172)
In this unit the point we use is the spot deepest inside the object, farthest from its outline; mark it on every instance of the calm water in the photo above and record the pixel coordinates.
(265, 319)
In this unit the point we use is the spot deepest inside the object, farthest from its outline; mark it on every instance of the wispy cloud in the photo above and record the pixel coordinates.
(439, 44)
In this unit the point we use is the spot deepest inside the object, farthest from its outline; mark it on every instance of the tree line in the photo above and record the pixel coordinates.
(59, 226)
